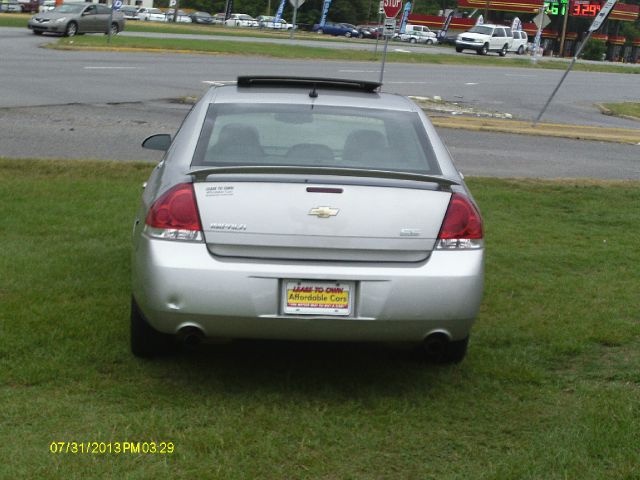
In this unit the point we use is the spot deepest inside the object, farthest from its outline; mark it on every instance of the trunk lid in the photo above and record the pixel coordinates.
(320, 221)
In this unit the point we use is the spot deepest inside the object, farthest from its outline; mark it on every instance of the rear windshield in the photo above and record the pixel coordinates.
(298, 135)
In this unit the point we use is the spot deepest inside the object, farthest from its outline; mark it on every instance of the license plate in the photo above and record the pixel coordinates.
(318, 298)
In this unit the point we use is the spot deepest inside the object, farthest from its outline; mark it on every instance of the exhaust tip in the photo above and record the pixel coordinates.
(190, 337)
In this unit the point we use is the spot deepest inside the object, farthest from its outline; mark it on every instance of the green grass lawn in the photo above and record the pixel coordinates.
(628, 109)
(550, 388)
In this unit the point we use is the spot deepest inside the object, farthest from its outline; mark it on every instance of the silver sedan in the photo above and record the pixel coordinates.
(70, 19)
(306, 209)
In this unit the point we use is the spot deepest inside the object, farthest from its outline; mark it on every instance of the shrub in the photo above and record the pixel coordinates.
(594, 50)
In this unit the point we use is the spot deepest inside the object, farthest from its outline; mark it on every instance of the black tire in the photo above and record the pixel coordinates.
(146, 341)
(37, 32)
(520, 50)
(429, 42)
(114, 29)
(348, 34)
(483, 50)
(320, 31)
(452, 352)
(361, 35)
(459, 49)
(503, 51)
(71, 30)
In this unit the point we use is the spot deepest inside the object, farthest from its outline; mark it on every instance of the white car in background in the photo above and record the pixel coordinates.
(182, 17)
(428, 38)
(270, 22)
(241, 20)
(520, 42)
(486, 38)
(151, 15)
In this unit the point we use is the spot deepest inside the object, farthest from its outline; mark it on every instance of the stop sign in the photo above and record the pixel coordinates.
(392, 7)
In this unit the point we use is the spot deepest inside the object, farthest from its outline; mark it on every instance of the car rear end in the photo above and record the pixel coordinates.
(308, 213)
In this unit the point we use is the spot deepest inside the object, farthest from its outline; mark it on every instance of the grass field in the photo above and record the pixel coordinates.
(550, 388)
(624, 109)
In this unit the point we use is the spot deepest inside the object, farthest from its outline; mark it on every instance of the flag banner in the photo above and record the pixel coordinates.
(405, 17)
(279, 12)
(325, 10)
(445, 27)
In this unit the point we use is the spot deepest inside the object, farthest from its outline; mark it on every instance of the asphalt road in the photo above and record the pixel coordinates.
(101, 105)
(31, 73)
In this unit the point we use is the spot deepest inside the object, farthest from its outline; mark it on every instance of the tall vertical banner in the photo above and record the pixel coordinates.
(405, 17)
(480, 20)
(325, 10)
(445, 27)
(279, 13)
(516, 25)
(228, 10)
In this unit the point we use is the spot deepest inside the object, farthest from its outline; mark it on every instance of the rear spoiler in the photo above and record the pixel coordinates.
(201, 174)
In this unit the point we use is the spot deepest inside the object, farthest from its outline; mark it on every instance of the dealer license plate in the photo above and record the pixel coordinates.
(318, 298)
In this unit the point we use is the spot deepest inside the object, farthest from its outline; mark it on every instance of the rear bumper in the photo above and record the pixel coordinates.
(181, 284)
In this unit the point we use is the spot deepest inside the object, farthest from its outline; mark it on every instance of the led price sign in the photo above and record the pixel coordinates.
(556, 7)
(585, 8)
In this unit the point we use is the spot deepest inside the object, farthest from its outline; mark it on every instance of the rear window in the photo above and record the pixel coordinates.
(298, 135)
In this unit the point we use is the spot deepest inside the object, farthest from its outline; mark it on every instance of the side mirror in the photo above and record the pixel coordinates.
(160, 141)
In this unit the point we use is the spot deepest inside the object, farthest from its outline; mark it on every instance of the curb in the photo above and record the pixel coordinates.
(518, 127)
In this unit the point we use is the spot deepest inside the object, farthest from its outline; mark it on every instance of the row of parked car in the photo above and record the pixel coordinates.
(204, 18)
(18, 6)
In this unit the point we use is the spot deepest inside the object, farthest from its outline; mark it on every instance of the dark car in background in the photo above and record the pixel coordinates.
(130, 12)
(369, 31)
(70, 19)
(203, 18)
(336, 29)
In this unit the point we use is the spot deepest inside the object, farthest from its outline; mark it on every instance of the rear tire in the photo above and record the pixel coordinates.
(413, 40)
(114, 29)
(429, 42)
(458, 49)
(520, 50)
(146, 341)
(503, 51)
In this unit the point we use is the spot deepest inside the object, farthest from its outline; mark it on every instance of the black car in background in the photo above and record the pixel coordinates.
(202, 18)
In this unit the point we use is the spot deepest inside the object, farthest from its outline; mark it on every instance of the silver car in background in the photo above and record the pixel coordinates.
(70, 19)
(306, 209)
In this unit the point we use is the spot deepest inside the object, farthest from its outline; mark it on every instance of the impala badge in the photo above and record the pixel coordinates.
(324, 212)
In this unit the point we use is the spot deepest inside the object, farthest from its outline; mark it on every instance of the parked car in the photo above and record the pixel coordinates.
(219, 19)
(10, 6)
(47, 5)
(428, 38)
(241, 20)
(266, 21)
(369, 31)
(70, 19)
(520, 42)
(151, 15)
(182, 17)
(203, 18)
(130, 12)
(29, 6)
(486, 38)
(336, 29)
(268, 219)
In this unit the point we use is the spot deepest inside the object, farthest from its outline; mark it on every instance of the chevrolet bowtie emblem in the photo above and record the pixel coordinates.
(324, 212)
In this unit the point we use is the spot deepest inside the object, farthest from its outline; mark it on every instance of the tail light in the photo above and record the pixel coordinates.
(174, 216)
(462, 225)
